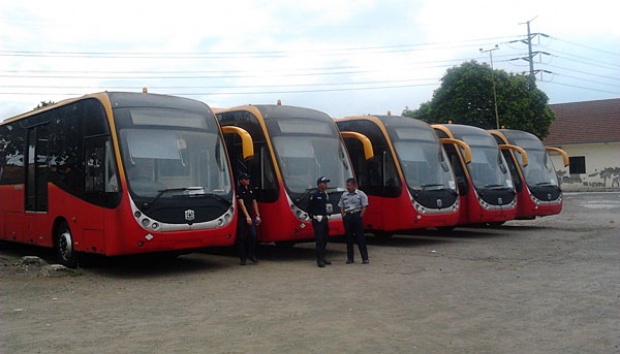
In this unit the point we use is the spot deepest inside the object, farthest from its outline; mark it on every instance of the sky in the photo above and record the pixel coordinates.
(340, 57)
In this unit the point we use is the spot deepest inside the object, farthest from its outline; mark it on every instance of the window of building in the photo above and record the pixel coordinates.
(577, 165)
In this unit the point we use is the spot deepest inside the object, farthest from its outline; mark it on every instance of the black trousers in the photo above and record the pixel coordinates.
(321, 233)
(246, 240)
(354, 228)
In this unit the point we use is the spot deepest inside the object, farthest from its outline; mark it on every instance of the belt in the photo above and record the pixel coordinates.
(352, 212)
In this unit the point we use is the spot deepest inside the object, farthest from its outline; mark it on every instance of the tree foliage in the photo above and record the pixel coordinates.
(466, 97)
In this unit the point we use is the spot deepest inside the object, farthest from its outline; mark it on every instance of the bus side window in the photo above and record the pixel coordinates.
(94, 181)
(101, 173)
(111, 173)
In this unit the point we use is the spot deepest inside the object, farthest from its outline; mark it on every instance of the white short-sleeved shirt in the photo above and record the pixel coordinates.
(353, 201)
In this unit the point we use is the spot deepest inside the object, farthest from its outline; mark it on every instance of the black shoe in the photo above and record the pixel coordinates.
(254, 260)
(320, 264)
(365, 261)
(327, 262)
(350, 261)
(242, 262)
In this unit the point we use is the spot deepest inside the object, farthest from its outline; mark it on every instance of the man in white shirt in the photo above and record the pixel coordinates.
(353, 204)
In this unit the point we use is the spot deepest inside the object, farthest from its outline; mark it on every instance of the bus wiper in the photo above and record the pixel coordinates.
(305, 194)
(199, 192)
(167, 190)
(539, 185)
(214, 196)
(494, 186)
(429, 186)
(543, 184)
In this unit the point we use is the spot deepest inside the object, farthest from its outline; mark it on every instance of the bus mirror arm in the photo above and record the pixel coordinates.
(565, 159)
(246, 140)
(518, 149)
(460, 143)
(367, 145)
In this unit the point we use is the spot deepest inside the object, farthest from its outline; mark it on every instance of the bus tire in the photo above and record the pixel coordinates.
(384, 235)
(285, 244)
(63, 243)
(496, 225)
(445, 229)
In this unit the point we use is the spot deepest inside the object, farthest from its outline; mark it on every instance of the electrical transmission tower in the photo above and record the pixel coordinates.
(530, 53)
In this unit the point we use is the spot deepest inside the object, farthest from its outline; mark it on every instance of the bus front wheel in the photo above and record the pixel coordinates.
(383, 234)
(64, 246)
(285, 244)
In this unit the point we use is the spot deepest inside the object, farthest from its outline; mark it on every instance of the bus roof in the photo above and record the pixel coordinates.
(122, 99)
(458, 130)
(512, 135)
(275, 111)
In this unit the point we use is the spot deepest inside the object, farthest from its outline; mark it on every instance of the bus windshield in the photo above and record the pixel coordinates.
(304, 155)
(424, 162)
(540, 170)
(187, 162)
(488, 167)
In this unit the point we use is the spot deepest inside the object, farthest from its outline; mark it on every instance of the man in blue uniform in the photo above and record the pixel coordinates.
(319, 209)
(353, 204)
(246, 227)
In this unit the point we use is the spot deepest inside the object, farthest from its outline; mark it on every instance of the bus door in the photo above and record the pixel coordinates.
(100, 185)
(37, 161)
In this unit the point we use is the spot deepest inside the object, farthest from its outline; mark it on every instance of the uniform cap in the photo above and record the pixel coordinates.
(322, 179)
(244, 175)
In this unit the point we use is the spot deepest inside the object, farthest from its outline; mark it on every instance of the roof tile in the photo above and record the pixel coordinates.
(585, 122)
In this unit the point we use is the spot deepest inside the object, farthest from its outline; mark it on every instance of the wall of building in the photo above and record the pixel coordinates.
(602, 162)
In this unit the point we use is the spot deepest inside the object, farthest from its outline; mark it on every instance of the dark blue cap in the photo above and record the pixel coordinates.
(244, 175)
(322, 179)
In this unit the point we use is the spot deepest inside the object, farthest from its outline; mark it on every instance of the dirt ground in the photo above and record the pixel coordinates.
(550, 285)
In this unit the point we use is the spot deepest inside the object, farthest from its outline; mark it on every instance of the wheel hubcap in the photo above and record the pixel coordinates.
(65, 245)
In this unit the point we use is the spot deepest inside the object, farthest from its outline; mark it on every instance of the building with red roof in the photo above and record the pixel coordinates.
(589, 132)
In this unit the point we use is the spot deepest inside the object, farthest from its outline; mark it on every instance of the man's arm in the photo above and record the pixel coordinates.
(255, 206)
(244, 209)
(341, 205)
(364, 198)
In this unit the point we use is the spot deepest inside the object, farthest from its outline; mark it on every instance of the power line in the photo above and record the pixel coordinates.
(585, 72)
(252, 54)
(617, 54)
(383, 87)
(333, 71)
(582, 87)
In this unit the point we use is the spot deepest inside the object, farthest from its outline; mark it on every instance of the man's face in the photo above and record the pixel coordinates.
(351, 187)
(322, 186)
(245, 181)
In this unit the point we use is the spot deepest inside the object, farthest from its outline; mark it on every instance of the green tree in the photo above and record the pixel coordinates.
(465, 96)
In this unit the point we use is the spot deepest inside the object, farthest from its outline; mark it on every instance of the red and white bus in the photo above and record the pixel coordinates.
(409, 180)
(485, 186)
(115, 174)
(293, 147)
(537, 185)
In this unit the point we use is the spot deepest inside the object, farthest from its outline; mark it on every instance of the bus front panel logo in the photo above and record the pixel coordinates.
(190, 215)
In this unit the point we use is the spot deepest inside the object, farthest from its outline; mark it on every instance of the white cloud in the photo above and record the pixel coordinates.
(271, 48)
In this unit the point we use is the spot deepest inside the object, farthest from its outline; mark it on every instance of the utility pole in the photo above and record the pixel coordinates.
(530, 55)
(490, 51)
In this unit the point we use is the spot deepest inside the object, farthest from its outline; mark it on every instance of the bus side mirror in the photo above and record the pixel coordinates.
(246, 140)
(368, 152)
